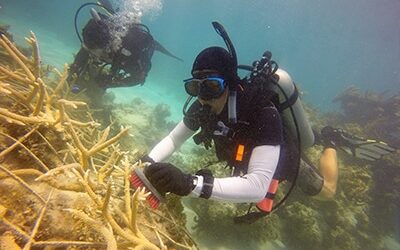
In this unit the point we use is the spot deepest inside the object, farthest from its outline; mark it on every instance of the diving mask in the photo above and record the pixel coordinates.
(207, 88)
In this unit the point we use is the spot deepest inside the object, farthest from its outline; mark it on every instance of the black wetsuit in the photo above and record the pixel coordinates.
(129, 65)
(259, 123)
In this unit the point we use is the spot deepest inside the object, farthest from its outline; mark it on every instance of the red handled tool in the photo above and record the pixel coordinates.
(139, 180)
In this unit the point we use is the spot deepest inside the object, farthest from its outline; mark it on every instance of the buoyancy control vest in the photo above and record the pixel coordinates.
(234, 142)
(240, 138)
(238, 141)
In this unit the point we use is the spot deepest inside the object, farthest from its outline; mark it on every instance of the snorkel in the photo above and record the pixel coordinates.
(231, 84)
(230, 76)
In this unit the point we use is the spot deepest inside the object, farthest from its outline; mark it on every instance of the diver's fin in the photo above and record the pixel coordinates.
(163, 50)
(371, 150)
(358, 147)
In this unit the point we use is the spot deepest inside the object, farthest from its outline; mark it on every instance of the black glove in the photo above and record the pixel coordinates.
(334, 137)
(165, 177)
(147, 158)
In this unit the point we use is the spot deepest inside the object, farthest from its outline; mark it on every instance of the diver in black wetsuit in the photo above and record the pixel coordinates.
(113, 56)
(246, 123)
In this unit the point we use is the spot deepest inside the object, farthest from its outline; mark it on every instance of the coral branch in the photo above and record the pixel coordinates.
(97, 226)
(20, 118)
(50, 146)
(36, 54)
(99, 147)
(23, 183)
(139, 195)
(42, 94)
(27, 150)
(107, 168)
(15, 50)
(166, 236)
(66, 244)
(60, 85)
(16, 77)
(37, 223)
(21, 172)
(11, 52)
(58, 170)
(106, 199)
(127, 197)
(17, 143)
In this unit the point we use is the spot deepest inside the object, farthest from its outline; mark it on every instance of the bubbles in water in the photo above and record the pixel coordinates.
(135, 9)
(129, 12)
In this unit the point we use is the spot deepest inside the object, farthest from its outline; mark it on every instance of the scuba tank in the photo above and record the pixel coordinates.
(266, 74)
(288, 88)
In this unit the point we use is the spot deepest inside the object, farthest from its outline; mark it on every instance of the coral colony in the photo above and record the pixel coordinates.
(63, 181)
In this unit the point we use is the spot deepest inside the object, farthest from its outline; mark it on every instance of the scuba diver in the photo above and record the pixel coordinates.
(260, 135)
(112, 55)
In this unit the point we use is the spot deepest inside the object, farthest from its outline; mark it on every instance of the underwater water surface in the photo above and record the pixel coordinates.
(326, 46)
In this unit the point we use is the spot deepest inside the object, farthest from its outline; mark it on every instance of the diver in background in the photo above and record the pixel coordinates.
(113, 56)
(250, 136)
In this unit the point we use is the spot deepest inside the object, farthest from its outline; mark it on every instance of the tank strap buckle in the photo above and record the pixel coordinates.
(291, 101)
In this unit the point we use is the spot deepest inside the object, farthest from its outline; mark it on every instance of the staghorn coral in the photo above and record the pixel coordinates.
(57, 165)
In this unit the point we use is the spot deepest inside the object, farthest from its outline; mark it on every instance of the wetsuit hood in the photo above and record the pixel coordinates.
(96, 34)
(215, 58)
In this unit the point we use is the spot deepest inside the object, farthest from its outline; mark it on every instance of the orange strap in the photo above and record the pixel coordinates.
(239, 152)
(266, 204)
(273, 186)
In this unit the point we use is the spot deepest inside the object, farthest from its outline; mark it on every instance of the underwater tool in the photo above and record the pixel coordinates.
(139, 180)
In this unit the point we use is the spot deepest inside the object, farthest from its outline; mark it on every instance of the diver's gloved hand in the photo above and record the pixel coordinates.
(334, 138)
(147, 158)
(165, 177)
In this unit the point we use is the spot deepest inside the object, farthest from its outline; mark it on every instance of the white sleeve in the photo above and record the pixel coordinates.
(251, 187)
(171, 142)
